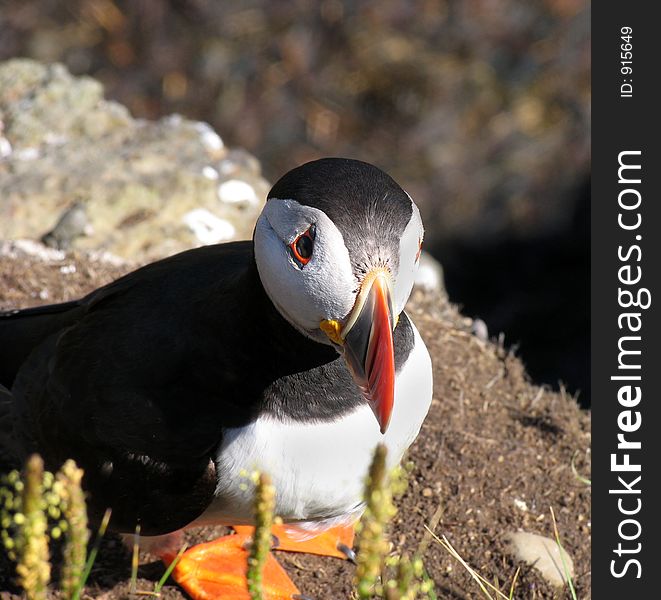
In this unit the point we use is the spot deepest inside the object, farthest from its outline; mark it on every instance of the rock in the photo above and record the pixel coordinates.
(148, 189)
(521, 504)
(236, 191)
(542, 553)
(71, 225)
(24, 250)
(19, 249)
(430, 274)
(480, 330)
(208, 228)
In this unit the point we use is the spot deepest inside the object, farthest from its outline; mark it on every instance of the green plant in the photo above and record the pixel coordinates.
(37, 506)
(409, 579)
(565, 568)
(68, 487)
(484, 584)
(577, 475)
(91, 558)
(379, 574)
(161, 582)
(135, 560)
(29, 502)
(261, 541)
(372, 540)
(33, 568)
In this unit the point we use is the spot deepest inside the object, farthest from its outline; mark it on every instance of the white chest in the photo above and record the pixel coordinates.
(318, 469)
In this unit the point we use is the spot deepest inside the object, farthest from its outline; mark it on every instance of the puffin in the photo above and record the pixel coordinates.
(289, 354)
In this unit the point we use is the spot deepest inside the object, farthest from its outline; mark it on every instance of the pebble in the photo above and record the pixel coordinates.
(72, 224)
(173, 120)
(520, 504)
(210, 173)
(429, 275)
(480, 330)
(5, 147)
(27, 154)
(210, 139)
(235, 191)
(207, 227)
(16, 248)
(542, 553)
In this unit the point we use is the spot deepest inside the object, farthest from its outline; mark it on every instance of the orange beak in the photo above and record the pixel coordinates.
(368, 345)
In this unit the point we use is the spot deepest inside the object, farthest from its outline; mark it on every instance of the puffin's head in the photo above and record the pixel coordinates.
(337, 246)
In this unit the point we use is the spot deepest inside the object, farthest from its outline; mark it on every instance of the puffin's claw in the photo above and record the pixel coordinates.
(348, 552)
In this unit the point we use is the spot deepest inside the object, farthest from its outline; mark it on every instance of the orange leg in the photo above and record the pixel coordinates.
(337, 541)
(218, 569)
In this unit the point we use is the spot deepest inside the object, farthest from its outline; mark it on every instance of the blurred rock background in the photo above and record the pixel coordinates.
(479, 108)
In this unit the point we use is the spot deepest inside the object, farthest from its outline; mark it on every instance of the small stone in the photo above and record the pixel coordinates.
(210, 139)
(5, 147)
(427, 492)
(174, 120)
(27, 154)
(520, 504)
(542, 553)
(22, 247)
(72, 224)
(236, 191)
(207, 227)
(210, 173)
(429, 276)
(480, 330)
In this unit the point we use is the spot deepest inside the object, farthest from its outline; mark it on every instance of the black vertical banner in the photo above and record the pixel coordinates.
(626, 301)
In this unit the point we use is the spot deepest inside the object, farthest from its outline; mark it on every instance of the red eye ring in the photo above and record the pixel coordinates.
(302, 247)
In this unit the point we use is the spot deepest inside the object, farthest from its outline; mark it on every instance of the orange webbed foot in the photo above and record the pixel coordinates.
(218, 569)
(336, 541)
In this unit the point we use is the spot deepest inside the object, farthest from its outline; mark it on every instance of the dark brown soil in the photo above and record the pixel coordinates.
(490, 439)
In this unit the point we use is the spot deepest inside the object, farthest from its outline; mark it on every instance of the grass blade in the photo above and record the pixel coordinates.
(92, 556)
(578, 476)
(568, 577)
(135, 559)
(481, 581)
(168, 571)
(516, 575)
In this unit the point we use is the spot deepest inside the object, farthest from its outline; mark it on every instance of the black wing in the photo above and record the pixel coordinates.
(22, 330)
(134, 382)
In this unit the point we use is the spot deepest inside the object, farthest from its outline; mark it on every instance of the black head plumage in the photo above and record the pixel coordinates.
(367, 206)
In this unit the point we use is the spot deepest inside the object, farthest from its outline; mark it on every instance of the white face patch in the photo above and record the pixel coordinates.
(409, 245)
(324, 288)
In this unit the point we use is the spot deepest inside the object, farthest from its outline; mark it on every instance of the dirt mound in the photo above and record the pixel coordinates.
(494, 454)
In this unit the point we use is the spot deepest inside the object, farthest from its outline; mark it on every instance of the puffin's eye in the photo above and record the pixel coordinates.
(302, 247)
